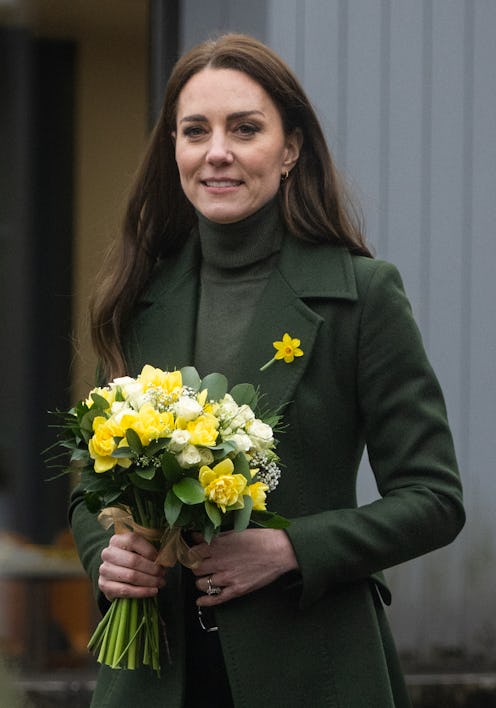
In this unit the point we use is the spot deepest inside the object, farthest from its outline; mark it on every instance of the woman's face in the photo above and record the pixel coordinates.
(231, 148)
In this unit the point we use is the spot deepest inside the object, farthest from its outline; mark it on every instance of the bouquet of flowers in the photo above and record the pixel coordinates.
(163, 453)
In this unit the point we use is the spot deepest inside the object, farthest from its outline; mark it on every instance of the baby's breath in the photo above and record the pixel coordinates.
(160, 399)
(145, 461)
(268, 471)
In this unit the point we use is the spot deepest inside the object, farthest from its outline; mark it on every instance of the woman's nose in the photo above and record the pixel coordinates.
(218, 150)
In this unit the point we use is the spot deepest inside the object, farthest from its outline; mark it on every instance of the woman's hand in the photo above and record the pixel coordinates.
(240, 562)
(128, 568)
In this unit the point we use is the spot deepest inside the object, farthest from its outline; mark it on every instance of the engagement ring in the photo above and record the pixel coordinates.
(212, 589)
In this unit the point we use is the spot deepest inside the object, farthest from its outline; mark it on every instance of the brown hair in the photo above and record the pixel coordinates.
(314, 203)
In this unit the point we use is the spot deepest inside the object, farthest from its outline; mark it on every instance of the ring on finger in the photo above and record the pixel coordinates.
(211, 588)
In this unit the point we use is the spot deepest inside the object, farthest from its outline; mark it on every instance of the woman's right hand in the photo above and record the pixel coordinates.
(129, 569)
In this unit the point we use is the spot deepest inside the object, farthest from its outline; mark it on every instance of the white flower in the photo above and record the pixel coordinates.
(261, 434)
(246, 413)
(124, 411)
(179, 440)
(241, 440)
(228, 406)
(118, 407)
(187, 408)
(122, 381)
(189, 457)
(131, 390)
(206, 456)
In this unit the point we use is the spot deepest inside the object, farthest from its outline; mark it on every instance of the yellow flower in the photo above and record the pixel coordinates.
(222, 487)
(168, 381)
(106, 393)
(150, 424)
(203, 430)
(288, 348)
(102, 444)
(257, 492)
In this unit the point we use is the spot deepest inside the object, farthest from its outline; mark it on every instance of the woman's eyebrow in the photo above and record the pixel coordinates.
(198, 118)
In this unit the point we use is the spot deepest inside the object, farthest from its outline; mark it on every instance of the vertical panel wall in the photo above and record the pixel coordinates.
(406, 92)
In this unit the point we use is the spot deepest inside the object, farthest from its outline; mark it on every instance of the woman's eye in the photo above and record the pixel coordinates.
(246, 129)
(193, 131)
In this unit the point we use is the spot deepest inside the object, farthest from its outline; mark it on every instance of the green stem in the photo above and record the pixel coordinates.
(269, 363)
(122, 604)
(139, 508)
(133, 632)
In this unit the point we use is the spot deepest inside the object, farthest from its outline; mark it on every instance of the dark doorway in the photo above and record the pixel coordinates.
(36, 236)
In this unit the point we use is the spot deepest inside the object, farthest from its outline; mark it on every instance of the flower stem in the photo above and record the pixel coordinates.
(122, 606)
(269, 363)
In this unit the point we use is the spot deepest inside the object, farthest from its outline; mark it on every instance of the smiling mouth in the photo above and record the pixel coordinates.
(222, 183)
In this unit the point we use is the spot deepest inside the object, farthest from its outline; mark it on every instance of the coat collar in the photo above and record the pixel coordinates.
(304, 272)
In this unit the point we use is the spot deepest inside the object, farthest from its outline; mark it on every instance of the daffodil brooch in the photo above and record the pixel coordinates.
(287, 349)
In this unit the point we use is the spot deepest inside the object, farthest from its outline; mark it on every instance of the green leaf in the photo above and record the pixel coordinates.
(155, 446)
(146, 472)
(172, 507)
(111, 498)
(155, 484)
(208, 533)
(134, 441)
(216, 385)
(213, 513)
(186, 517)
(245, 394)
(93, 502)
(119, 396)
(223, 450)
(80, 456)
(121, 452)
(241, 466)
(172, 470)
(100, 402)
(189, 491)
(86, 424)
(191, 378)
(242, 516)
(270, 520)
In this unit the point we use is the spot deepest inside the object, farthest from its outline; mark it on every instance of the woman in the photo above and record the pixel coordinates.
(238, 231)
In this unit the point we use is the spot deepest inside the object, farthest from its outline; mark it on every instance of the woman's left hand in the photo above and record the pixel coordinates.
(236, 563)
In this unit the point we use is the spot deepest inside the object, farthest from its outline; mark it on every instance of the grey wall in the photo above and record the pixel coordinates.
(406, 91)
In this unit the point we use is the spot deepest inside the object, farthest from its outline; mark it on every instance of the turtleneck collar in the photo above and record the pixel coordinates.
(244, 242)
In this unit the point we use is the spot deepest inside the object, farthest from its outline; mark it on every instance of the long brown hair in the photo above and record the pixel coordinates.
(314, 203)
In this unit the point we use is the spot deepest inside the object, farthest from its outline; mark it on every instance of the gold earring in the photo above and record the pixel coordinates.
(284, 175)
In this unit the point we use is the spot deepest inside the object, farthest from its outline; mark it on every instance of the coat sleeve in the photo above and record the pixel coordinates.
(91, 539)
(410, 449)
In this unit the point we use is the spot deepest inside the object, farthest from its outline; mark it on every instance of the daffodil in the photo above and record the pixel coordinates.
(258, 492)
(288, 349)
(222, 487)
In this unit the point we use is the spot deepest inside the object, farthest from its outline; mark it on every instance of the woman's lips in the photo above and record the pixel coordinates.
(221, 183)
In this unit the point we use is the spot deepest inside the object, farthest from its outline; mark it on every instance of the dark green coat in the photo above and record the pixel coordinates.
(320, 639)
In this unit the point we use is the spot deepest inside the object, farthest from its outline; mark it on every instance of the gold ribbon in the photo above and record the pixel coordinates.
(172, 546)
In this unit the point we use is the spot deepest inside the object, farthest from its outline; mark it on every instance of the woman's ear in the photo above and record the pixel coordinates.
(294, 141)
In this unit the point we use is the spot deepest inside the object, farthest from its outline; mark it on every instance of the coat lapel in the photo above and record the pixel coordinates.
(304, 271)
(165, 332)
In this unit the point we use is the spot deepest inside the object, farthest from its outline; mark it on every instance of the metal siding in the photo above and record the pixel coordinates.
(406, 93)
(200, 20)
(480, 338)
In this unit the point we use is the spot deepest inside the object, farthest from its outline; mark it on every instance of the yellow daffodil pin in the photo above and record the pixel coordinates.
(288, 348)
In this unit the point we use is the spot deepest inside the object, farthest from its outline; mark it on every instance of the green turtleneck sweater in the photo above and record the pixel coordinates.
(237, 260)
